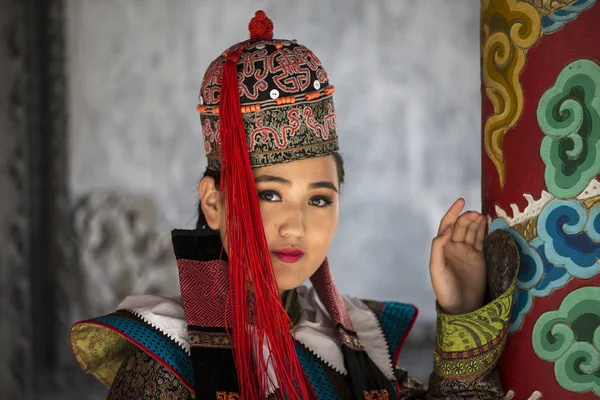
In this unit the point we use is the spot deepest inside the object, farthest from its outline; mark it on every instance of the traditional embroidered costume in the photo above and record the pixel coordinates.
(231, 335)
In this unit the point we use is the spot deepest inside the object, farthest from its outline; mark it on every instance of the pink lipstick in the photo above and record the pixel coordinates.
(289, 254)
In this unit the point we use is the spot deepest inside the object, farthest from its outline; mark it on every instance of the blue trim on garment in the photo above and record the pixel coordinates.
(153, 342)
(396, 319)
(317, 374)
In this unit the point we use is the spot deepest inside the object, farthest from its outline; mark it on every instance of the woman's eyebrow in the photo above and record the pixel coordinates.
(324, 184)
(271, 178)
(278, 179)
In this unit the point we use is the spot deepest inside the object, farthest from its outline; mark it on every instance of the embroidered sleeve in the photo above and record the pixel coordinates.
(468, 346)
(142, 377)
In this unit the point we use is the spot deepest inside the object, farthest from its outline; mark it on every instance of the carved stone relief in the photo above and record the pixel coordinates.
(121, 251)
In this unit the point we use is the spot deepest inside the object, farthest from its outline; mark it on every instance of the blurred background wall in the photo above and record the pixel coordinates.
(408, 104)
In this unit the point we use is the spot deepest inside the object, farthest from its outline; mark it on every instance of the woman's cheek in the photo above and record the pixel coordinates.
(267, 212)
(324, 225)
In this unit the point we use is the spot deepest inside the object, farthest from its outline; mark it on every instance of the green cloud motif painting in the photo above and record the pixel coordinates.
(570, 338)
(569, 115)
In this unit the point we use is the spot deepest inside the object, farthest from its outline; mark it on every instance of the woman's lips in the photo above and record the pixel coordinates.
(288, 255)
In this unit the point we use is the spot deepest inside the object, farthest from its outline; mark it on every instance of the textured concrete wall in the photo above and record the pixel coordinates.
(407, 79)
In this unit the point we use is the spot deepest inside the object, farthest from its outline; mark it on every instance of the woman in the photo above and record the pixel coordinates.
(269, 206)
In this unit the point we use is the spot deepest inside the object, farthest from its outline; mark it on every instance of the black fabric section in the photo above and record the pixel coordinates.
(340, 383)
(198, 245)
(502, 261)
(214, 369)
(218, 329)
(364, 375)
(291, 305)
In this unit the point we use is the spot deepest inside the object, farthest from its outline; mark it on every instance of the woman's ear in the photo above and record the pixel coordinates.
(210, 201)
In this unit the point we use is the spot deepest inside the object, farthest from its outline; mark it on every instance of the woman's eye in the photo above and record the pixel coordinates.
(320, 202)
(269, 195)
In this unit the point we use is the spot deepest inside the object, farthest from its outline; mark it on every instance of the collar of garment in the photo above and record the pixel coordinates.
(313, 326)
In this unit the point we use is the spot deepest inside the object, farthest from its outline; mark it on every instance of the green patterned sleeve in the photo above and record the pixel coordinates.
(468, 346)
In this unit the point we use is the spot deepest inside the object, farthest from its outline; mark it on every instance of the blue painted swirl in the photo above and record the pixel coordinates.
(553, 22)
(568, 235)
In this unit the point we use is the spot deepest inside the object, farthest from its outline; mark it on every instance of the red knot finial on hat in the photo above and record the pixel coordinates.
(261, 27)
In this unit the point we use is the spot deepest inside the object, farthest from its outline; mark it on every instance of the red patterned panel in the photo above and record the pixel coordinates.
(324, 285)
(204, 292)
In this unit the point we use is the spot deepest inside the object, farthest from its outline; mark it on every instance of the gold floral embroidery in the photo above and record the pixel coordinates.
(376, 394)
(141, 377)
(351, 341)
(280, 134)
(99, 351)
(466, 365)
(228, 396)
(213, 340)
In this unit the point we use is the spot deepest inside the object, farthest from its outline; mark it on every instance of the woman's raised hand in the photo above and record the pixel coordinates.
(457, 265)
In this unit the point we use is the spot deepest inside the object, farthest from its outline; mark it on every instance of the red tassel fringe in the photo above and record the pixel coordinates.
(254, 295)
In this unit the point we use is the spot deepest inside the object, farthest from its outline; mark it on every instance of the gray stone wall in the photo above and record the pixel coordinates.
(15, 302)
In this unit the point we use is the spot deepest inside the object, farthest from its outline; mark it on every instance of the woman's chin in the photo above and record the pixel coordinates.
(288, 282)
(291, 275)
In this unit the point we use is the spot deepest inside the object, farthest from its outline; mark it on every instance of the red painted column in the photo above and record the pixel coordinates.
(540, 167)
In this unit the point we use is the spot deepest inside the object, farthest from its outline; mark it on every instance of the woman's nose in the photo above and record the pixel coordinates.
(293, 224)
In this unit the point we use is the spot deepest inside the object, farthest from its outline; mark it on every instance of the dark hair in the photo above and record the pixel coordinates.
(216, 175)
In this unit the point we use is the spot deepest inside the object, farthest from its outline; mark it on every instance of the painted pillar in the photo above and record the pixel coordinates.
(541, 161)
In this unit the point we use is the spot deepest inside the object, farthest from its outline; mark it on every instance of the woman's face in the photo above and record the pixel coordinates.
(299, 204)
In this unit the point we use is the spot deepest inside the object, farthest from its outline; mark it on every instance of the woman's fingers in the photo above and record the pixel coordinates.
(480, 235)
(451, 215)
(461, 226)
(437, 248)
(472, 230)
